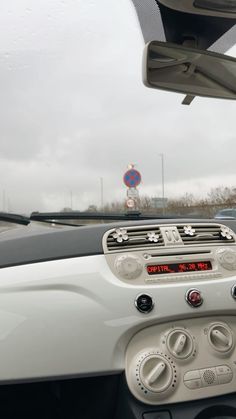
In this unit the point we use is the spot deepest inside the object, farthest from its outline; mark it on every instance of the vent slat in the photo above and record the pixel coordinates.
(132, 238)
(202, 230)
(135, 243)
(201, 235)
(204, 234)
(138, 238)
(147, 246)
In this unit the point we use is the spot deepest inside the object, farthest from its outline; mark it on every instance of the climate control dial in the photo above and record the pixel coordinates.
(156, 373)
(180, 343)
(220, 337)
(154, 376)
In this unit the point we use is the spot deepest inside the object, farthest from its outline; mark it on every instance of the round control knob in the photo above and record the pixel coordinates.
(227, 258)
(180, 343)
(151, 376)
(220, 337)
(156, 373)
(194, 297)
(129, 266)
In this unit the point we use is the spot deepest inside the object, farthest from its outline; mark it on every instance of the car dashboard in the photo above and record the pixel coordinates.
(152, 302)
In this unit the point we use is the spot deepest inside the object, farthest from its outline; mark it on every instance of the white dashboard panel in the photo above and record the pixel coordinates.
(74, 317)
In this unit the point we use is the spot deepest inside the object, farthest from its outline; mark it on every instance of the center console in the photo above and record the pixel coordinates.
(182, 361)
(184, 367)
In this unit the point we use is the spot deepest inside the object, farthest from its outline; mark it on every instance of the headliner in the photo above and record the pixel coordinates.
(155, 22)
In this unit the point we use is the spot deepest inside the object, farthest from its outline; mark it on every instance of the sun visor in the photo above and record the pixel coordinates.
(160, 20)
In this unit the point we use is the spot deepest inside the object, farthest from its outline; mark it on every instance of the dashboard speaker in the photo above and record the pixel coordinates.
(209, 377)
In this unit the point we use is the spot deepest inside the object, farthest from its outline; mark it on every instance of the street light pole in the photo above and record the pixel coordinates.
(163, 182)
(101, 185)
(4, 200)
(71, 200)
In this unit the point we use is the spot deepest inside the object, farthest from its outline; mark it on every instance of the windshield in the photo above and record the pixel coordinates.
(75, 116)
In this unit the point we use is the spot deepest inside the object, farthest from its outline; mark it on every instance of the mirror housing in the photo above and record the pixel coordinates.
(190, 71)
(215, 8)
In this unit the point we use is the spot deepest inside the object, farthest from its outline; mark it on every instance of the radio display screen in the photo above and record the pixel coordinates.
(171, 268)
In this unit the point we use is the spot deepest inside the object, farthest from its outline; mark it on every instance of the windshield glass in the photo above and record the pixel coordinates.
(75, 114)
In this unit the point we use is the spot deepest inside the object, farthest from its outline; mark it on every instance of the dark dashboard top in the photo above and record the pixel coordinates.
(39, 242)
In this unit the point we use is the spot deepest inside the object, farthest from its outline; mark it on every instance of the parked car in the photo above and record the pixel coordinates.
(226, 214)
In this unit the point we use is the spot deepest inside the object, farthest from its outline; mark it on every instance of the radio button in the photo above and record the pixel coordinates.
(192, 375)
(223, 369)
(227, 258)
(129, 266)
(158, 279)
(221, 374)
(193, 384)
(225, 378)
(152, 280)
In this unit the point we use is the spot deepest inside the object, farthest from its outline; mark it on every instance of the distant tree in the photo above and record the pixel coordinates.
(188, 199)
(188, 204)
(145, 203)
(115, 206)
(222, 195)
(91, 208)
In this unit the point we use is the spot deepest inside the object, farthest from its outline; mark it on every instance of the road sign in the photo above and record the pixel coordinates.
(132, 193)
(159, 202)
(130, 203)
(132, 178)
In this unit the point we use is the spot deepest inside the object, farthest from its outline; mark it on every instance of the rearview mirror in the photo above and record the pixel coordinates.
(189, 70)
(217, 8)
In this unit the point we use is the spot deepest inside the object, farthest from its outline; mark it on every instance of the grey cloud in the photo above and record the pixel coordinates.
(73, 109)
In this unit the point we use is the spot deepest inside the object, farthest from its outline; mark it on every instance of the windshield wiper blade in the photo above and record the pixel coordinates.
(14, 218)
(54, 222)
(76, 215)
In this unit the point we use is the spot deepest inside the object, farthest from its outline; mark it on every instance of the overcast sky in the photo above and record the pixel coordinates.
(74, 109)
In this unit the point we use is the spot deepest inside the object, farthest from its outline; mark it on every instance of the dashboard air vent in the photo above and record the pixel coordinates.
(134, 238)
(206, 233)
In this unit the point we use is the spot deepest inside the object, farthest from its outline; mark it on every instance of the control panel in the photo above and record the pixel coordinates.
(164, 253)
(139, 268)
(182, 361)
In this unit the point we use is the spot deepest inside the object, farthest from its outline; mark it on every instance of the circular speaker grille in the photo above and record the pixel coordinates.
(209, 376)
